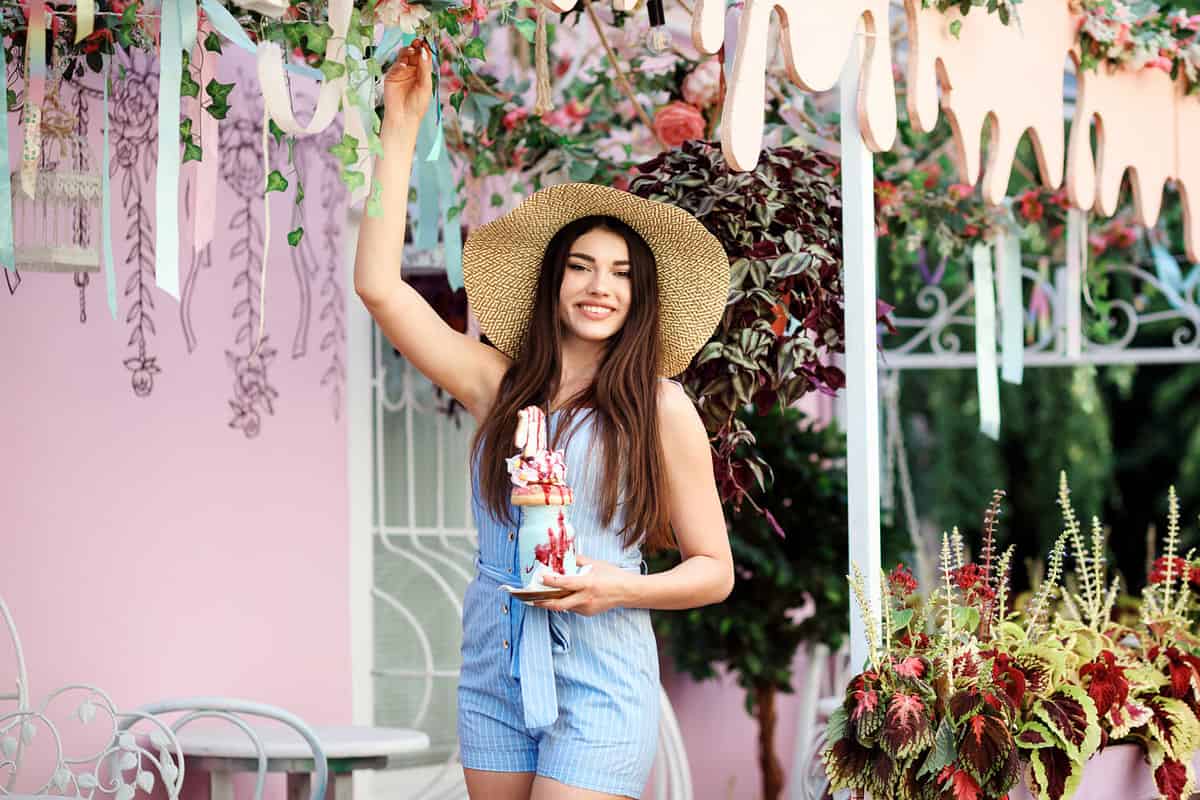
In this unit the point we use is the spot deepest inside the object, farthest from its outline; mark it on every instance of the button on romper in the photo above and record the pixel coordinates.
(571, 697)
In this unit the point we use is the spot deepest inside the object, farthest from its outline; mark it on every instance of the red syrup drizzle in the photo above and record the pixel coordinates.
(553, 552)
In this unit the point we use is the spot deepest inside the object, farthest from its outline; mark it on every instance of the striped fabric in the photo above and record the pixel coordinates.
(570, 697)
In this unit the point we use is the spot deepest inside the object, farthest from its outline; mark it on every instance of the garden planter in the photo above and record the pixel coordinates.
(1119, 772)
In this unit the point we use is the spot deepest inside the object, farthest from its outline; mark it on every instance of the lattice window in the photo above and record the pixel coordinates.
(424, 543)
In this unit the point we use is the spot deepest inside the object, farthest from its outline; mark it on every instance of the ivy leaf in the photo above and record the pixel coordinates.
(276, 131)
(474, 49)
(345, 151)
(185, 129)
(276, 182)
(332, 70)
(353, 179)
(299, 191)
(192, 152)
(218, 93)
(374, 205)
(187, 86)
(956, 28)
(295, 236)
(212, 42)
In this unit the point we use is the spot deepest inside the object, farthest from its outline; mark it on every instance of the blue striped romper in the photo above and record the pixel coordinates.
(571, 697)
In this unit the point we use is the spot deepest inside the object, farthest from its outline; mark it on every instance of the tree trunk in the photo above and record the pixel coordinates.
(768, 761)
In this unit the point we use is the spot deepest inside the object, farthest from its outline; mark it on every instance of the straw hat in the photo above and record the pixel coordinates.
(501, 261)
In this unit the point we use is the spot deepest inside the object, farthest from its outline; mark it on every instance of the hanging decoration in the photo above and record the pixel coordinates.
(816, 38)
(985, 341)
(35, 71)
(6, 216)
(1026, 94)
(68, 187)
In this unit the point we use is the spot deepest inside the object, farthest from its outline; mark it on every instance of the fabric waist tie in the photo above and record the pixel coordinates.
(533, 632)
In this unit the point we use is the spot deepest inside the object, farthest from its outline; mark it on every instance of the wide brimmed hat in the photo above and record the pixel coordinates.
(501, 261)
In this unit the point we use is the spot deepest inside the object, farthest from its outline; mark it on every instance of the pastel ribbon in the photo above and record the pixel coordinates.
(435, 197)
(277, 99)
(7, 254)
(1174, 286)
(1012, 307)
(106, 246)
(205, 172)
(35, 93)
(166, 222)
(985, 342)
(262, 278)
(224, 23)
(85, 19)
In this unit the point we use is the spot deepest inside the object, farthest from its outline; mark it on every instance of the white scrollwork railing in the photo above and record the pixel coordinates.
(935, 339)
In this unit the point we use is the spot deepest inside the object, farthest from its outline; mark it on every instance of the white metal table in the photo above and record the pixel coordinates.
(221, 752)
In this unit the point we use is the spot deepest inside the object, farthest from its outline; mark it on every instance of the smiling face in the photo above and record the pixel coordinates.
(596, 290)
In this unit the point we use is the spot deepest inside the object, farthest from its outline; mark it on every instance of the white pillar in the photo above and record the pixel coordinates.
(862, 378)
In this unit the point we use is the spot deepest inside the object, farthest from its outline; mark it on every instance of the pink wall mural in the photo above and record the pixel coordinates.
(174, 509)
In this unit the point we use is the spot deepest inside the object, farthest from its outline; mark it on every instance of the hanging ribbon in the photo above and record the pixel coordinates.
(106, 246)
(1174, 286)
(277, 99)
(204, 172)
(224, 23)
(262, 278)
(1012, 306)
(85, 19)
(434, 179)
(985, 342)
(35, 69)
(7, 254)
(166, 221)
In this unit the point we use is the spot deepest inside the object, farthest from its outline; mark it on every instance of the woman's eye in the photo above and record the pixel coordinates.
(624, 274)
(576, 266)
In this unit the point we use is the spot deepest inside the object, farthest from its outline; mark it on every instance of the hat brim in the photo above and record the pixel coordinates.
(502, 260)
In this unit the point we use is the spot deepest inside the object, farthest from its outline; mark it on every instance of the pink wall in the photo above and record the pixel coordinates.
(148, 547)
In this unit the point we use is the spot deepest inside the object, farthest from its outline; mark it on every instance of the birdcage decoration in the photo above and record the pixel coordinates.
(57, 229)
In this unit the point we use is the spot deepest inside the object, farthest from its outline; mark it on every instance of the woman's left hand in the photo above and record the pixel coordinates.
(604, 587)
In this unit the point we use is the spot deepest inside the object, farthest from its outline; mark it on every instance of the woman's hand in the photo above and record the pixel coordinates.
(407, 87)
(605, 587)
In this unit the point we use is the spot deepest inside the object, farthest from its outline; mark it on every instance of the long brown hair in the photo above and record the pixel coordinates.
(623, 398)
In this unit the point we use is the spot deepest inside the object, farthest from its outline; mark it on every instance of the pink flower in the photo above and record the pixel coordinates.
(513, 118)
(473, 10)
(562, 120)
(961, 191)
(576, 110)
(400, 14)
(678, 122)
(703, 86)
(1162, 62)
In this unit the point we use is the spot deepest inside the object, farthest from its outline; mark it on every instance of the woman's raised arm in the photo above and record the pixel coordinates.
(469, 370)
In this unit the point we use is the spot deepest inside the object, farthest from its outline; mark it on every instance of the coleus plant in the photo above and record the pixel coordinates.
(1064, 676)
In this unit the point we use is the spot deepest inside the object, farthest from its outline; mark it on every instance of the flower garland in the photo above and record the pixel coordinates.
(1140, 35)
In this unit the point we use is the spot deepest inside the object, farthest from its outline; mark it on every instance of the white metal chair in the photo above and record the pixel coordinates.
(136, 745)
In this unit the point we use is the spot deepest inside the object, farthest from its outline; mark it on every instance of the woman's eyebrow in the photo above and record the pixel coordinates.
(586, 257)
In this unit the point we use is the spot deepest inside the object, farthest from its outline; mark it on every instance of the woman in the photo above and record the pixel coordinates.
(588, 295)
